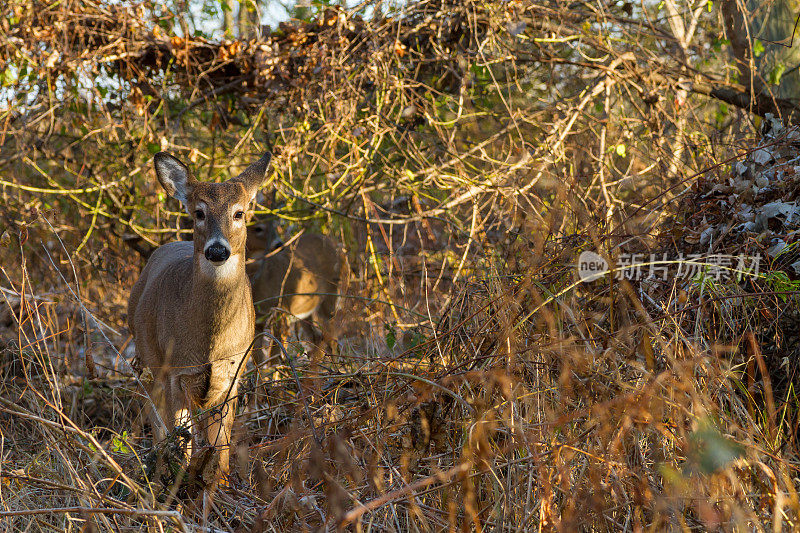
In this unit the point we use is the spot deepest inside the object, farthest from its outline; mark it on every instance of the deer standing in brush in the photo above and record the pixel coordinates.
(302, 277)
(191, 311)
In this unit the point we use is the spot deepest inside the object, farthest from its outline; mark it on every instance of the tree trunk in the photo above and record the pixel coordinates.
(249, 19)
(228, 19)
(760, 34)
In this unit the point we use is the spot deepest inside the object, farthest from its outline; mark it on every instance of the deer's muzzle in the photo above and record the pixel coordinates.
(217, 253)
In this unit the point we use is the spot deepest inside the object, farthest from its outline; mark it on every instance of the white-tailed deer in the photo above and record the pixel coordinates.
(301, 277)
(191, 311)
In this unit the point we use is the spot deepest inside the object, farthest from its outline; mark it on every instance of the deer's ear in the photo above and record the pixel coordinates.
(174, 177)
(255, 175)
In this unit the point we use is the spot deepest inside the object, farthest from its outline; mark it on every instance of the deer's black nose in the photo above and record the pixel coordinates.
(277, 243)
(217, 253)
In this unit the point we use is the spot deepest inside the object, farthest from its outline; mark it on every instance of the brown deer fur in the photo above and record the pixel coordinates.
(302, 277)
(191, 311)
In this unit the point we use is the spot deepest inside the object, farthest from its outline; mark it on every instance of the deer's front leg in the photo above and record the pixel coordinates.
(221, 399)
(180, 408)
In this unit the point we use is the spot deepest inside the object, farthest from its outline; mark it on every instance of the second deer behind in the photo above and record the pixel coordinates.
(302, 277)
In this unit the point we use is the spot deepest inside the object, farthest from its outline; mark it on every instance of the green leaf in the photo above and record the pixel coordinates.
(621, 150)
(779, 281)
(758, 48)
(710, 451)
(776, 74)
(119, 444)
(719, 43)
(721, 114)
(391, 337)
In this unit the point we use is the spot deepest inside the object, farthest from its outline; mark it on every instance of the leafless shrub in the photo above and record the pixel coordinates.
(465, 153)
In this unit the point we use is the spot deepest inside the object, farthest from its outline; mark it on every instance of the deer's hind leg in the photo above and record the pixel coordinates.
(305, 330)
(154, 378)
(324, 319)
(155, 408)
(264, 348)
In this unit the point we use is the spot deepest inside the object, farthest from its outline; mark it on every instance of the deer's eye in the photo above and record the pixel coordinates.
(238, 215)
(258, 229)
(199, 214)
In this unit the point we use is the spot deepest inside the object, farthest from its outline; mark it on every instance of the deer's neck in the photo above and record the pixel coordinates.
(217, 288)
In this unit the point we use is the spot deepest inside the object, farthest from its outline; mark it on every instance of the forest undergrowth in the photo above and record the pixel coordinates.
(465, 155)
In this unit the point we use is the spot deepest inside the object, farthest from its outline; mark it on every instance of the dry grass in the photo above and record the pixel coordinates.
(528, 403)
(476, 384)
